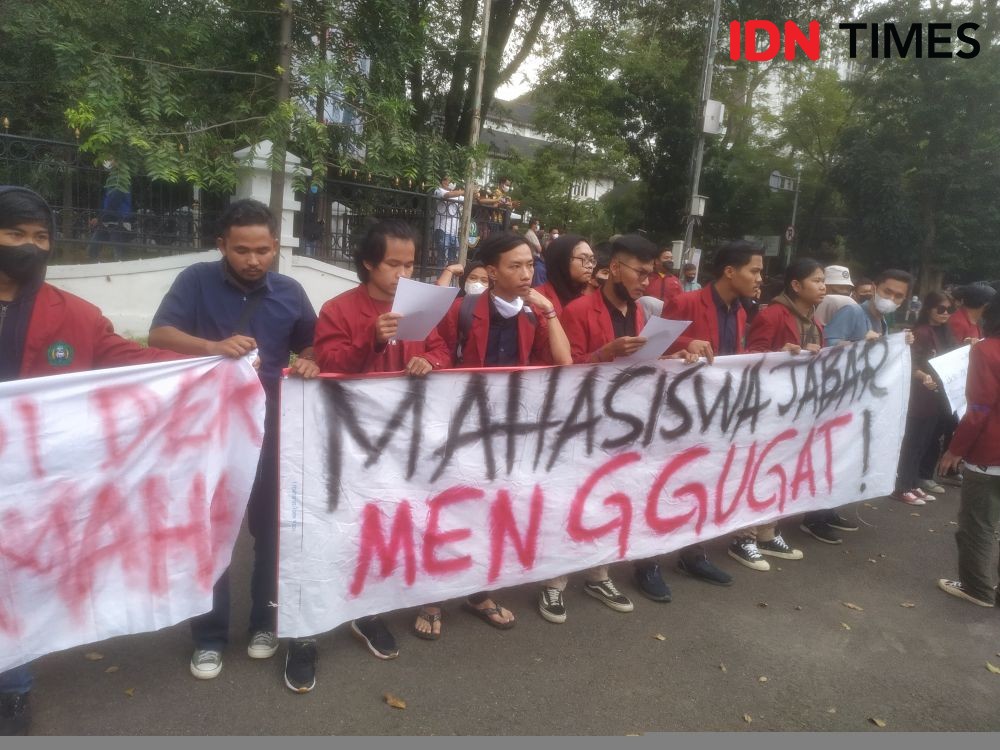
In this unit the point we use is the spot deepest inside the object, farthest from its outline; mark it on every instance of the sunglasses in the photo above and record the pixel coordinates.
(944, 310)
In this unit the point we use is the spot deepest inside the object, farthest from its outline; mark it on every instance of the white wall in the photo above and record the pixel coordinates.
(128, 292)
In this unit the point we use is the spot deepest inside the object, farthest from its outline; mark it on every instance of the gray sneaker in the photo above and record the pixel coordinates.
(206, 663)
(263, 645)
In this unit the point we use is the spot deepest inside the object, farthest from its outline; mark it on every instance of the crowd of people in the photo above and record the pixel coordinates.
(590, 307)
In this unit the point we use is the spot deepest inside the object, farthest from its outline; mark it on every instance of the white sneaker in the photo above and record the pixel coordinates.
(263, 645)
(929, 485)
(206, 663)
(955, 588)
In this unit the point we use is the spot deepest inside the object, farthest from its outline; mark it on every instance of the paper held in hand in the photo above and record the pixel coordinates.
(422, 307)
(659, 334)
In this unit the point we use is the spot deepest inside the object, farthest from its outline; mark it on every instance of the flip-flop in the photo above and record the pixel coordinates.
(430, 618)
(484, 615)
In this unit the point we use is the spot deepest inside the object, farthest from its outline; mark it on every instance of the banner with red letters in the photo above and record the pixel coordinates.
(398, 491)
(122, 494)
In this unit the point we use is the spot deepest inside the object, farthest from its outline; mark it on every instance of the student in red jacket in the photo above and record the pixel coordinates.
(718, 325)
(356, 333)
(663, 284)
(569, 263)
(602, 326)
(44, 331)
(964, 323)
(788, 324)
(512, 325)
(976, 443)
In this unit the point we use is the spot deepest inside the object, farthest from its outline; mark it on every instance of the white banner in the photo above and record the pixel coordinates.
(400, 491)
(953, 369)
(123, 492)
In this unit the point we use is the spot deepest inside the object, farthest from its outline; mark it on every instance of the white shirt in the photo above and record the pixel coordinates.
(448, 212)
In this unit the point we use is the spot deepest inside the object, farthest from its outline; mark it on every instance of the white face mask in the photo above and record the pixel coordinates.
(451, 185)
(508, 309)
(883, 305)
(475, 287)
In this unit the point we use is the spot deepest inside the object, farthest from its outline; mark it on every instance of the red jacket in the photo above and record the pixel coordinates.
(664, 287)
(68, 334)
(549, 292)
(532, 340)
(588, 326)
(962, 328)
(774, 327)
(977, 437)
(699, 308)
(345, 338)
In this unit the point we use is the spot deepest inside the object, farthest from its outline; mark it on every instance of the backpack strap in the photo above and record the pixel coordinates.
(465, 312)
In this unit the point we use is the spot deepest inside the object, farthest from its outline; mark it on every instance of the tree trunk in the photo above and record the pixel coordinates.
(464, 59)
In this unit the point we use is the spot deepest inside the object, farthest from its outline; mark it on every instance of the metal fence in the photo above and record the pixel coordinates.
(153, 217)
(162, 218)
(334, 219)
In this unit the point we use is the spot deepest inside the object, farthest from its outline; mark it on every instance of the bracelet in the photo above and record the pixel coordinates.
(551, 314)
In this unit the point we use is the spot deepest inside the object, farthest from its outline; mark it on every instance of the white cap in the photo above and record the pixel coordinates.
(838, 276)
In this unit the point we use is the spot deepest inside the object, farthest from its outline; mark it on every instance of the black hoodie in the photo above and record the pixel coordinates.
(15, 316)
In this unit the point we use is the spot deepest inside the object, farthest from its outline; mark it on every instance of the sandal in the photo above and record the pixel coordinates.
(484, 614)
(430, 618)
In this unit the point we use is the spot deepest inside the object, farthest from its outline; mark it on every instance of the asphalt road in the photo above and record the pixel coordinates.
(827, 667)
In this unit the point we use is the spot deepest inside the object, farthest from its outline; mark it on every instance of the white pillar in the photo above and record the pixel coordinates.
(254, 176)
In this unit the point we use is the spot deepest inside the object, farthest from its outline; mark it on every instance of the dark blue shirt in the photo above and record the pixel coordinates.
(502, 346)
(206, 301)
(728, 324)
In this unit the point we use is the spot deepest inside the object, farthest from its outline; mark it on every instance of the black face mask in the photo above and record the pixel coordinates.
(24, 263)
(621, 291)
(669, 265)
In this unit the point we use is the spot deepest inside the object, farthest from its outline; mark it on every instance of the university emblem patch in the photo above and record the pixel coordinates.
(60, 354)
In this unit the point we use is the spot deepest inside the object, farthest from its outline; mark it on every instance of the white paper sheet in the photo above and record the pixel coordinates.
(953, 368)
(422, 307)
(659, 333)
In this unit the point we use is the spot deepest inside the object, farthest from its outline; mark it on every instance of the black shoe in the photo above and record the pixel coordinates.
(372, 632)
(837, 521)
(822, 531)
(15, 714)
(650, 582)
(300, 666)
(704, 570)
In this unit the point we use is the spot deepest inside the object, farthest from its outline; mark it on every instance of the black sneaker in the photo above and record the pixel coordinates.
(606, 592)
(372, 632)
(822, 531)
(300, 666)
(704, 570)
(744, 550)
(15, 714)
(550, 605)
(778, 547)
(650, 582)
(837, 521)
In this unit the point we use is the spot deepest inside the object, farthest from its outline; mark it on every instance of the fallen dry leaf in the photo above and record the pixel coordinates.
(762, 605)
(881, 554)
(855, 607)
(723, 667)
(845, 626)
(994, 670)
(877, 722)
(915, 514)
(869, 505)
(111, 670)
(130, 692)
(660, 637)
(831, 710)
(907, 605)
(93, 656)
(931, 530)
(747, 718)
(872, 560)
(798, 608)
(393, 701)
(762, 678)
(953, 523)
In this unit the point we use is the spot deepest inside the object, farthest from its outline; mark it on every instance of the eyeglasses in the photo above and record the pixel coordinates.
(587, 261)
(944, 310)
(643, 275)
